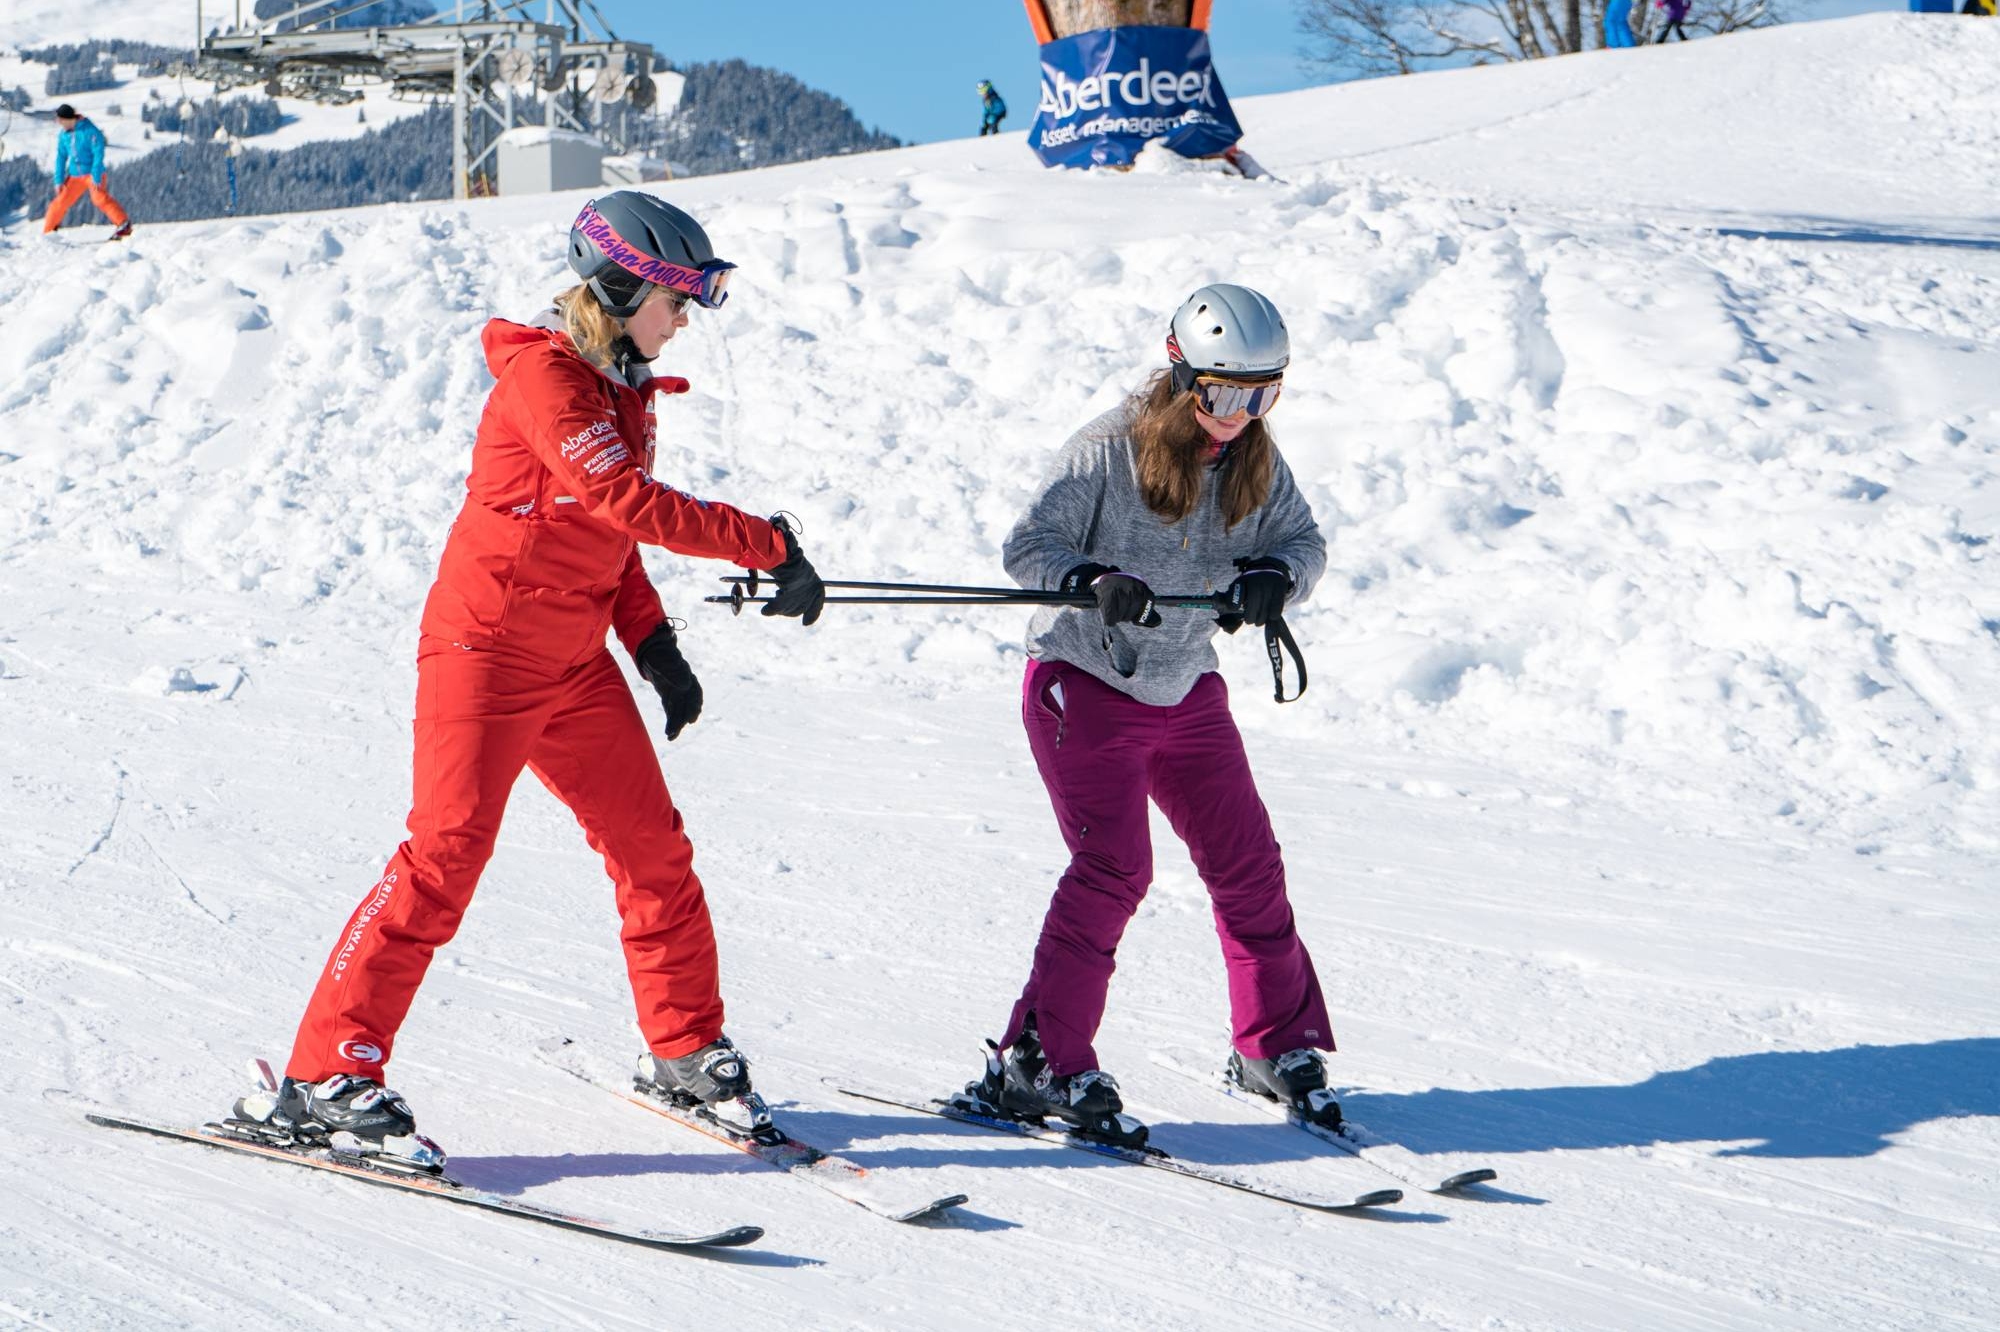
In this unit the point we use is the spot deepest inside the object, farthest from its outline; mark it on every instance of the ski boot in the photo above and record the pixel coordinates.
(714, 1081)
(1296, 1079)
(1019, 1084)
(348, 1115)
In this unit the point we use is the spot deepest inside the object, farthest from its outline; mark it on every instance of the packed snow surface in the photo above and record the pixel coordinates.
(1643, 815)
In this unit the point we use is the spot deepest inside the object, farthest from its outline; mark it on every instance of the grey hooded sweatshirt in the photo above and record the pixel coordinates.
(1089, 510)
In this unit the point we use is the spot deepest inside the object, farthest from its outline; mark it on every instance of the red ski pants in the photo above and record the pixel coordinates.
(480, 719)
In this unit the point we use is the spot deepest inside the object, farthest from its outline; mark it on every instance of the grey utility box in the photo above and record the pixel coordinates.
(535, 160)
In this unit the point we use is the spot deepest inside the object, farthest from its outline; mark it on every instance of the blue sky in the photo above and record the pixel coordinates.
(909, 66)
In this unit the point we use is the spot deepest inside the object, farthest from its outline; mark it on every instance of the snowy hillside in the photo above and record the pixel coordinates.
(1643, 815)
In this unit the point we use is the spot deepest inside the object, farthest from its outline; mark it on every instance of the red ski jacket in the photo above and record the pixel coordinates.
(542, 558)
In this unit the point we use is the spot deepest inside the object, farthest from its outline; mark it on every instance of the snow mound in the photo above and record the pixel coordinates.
(1668, 513)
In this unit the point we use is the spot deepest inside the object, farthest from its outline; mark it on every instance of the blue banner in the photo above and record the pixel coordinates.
(1107, 93)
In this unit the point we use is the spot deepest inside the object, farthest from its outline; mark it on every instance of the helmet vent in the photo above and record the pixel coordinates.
(1230, 329)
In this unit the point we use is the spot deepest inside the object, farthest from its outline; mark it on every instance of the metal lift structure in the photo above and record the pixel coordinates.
(490, 59)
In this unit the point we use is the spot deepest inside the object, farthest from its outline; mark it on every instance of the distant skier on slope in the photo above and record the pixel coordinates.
(79, 167)
(1180, 486)
(1677, 12)
(992, 110)
(1618, 24)
(513, 672)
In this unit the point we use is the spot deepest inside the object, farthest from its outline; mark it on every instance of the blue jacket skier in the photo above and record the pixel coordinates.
(992, 110)
(80, 168)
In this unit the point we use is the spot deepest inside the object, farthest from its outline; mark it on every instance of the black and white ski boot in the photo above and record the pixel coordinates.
(1296, 1078)
(1018, 1084)
(350, 1115)
(714, 1079)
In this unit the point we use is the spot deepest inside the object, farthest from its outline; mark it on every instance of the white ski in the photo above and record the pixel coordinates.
(1355, 1139)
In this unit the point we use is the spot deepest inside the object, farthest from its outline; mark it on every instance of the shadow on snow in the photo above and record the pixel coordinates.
(1807, 1103)
(1798, 1104)
(1832, 232)
(1795, 1104)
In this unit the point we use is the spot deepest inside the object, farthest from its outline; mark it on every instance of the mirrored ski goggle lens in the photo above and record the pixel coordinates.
(715, 285)
(1223, 398)
(709, 289)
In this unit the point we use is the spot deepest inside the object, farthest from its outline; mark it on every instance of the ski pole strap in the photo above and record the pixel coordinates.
(1278, 641)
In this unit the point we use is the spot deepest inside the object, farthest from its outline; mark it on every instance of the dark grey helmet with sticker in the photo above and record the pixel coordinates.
(626, 243)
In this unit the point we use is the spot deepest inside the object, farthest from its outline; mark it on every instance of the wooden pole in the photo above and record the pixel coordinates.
(1069, 17)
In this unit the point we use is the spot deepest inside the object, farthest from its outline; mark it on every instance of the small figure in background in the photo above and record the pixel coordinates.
(80, 167)
(992, 110)
(1618, 24)
(1677, 12)
(1983, 8)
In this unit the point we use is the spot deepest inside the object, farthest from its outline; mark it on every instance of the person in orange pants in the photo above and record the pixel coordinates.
(513, 673)
(80, 168)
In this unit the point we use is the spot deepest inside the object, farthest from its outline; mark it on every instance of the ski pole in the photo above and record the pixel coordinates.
(747, 584)
(1278, 640)
(737, 600)
(741, 594)
(953, 589)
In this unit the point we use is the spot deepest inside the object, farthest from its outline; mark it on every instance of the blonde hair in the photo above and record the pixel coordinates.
(591, 328)
(1170, 451)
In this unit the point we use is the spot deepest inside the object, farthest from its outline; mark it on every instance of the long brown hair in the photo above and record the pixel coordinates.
(1171, 451)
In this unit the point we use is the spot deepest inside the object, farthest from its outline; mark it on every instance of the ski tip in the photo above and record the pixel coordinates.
(936, 1207)
(732, 1238)
(1467, 1178)
(1379, 1198)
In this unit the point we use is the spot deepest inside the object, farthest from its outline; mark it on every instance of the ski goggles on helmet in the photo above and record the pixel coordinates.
(1224, 398)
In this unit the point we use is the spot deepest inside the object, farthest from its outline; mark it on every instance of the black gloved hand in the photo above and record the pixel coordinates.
(1122, 598)
(800, 591)
(662, 666)
(1257, 596)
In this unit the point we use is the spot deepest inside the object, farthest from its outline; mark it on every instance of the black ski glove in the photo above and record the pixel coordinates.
(1122, 598)
(800, 591)
(662, 666)
(1258, 595)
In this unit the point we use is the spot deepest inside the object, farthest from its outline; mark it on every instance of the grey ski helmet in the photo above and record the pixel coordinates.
(1227, 331)
(628, 242)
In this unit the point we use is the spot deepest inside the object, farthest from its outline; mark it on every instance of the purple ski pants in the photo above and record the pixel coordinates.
(1101, 755)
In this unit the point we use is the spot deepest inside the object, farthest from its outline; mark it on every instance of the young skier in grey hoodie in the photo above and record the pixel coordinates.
(1179, 487)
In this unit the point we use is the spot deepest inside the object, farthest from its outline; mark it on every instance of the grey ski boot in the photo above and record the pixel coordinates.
(347, 1114)
(714, 1080)
(1019, 1084)
(1296, 1079)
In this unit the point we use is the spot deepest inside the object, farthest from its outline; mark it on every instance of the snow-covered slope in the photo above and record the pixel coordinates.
(167, 22)
(1641, 815)
(1880, 125)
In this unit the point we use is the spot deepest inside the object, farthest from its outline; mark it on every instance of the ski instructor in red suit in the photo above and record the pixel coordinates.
(513, 672)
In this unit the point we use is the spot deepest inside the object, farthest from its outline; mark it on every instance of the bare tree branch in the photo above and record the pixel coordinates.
(1376, 37)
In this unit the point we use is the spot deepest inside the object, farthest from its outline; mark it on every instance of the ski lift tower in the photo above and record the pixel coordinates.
(490, 59)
